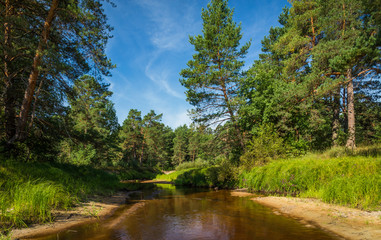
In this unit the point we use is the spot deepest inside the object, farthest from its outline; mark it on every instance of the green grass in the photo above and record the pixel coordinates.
(4, 237)
(172, 176)
(29, 192)
(349, 180)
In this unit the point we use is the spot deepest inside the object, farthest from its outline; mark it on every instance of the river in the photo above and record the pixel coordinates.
(169, 212)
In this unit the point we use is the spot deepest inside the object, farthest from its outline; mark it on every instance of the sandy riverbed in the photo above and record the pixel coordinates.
(346, 222)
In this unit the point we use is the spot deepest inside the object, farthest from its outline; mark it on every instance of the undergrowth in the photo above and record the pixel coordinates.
(223, 175)
(199, 163)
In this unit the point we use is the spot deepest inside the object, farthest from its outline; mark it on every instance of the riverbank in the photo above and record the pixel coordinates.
(95, 209)
(347, 180)
(346, 222)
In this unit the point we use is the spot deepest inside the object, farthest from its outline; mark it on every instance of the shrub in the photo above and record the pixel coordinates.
(265, 145)
(199, 163)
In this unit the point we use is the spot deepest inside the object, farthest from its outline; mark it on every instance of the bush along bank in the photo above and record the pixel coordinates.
(354, 181)
(223, 175)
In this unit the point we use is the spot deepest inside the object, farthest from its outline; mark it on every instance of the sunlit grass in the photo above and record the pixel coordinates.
(29, 192)
(32, 201)
(172, 176)
(348, 180)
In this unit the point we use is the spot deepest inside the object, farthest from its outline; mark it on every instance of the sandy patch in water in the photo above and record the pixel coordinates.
(242, 193)
(346, 222)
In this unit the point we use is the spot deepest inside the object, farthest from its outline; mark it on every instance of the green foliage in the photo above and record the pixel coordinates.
(366, 151)
(198, 177)
(82, 155)
(223, 175)
(131, 136)
(136, 173)
(172, 176)
(180, 145)
(5, 237)
(214, 74)
(93, 125)
(75, 45)
(199, 163)
(147, 140)
(353, 181)
(299, 80)
(266, 145)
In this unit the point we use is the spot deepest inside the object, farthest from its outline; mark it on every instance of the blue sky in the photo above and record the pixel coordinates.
(150, 47)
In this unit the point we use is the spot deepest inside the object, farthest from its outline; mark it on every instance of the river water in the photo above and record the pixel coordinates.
(174, 213)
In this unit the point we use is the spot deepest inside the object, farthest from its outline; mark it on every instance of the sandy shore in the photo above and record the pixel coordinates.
(346, 222)
(96, 208)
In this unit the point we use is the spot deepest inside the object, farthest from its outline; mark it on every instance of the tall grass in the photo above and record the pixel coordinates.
(29, 192)
(4, 237)
(350, 180)
(32, 201)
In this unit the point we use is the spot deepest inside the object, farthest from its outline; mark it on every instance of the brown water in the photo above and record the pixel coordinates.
(174, 213)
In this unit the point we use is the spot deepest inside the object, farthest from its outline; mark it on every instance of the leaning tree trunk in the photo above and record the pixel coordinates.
(29, 91)
(351, 112)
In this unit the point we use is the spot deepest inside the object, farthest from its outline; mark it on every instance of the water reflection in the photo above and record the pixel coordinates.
(168, 212)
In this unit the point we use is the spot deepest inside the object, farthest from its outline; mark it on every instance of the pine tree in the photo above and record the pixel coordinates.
(350, 49)
(131, 136)
(93, 116)
(214, 74)
(180, 145)
(47, 43)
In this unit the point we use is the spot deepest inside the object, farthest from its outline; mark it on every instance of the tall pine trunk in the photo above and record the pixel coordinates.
(336, 120)
(32, 80)
(351, 143)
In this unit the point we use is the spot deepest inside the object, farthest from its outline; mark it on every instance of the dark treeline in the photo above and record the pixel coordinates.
(315, 85)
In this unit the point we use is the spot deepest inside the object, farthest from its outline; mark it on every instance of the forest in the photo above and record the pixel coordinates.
(314, 89)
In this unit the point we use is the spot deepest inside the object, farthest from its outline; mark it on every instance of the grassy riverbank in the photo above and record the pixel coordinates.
(352, 179)
(30, 192)
(335, 176)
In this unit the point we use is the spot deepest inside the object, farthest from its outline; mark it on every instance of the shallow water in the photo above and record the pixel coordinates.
(168, 212)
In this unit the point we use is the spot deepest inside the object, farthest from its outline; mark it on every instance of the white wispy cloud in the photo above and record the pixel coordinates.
(160, 76)
(170, 25)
